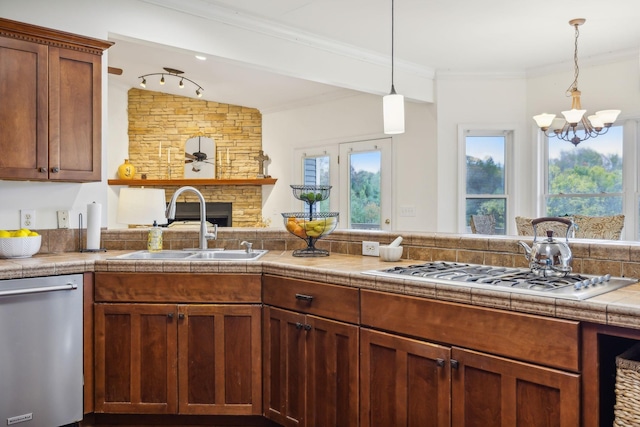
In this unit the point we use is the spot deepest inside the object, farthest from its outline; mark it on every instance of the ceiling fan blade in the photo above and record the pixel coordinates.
(188, 161)
(190, 156)
(114, 70)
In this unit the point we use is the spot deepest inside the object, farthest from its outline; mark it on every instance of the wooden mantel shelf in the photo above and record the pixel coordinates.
(192, 182)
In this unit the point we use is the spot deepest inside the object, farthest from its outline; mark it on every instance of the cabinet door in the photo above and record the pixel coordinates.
(135, 358)
(74, 115)
(219, 359)
(332, 373)
(284, 367)
(23, 110)
(489, 390)
(403, 382)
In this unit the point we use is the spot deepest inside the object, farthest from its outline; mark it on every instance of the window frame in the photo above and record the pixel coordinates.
(630, 179)
(507, 131)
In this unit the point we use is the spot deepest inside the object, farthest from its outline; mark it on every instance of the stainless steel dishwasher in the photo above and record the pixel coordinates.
(41, 372)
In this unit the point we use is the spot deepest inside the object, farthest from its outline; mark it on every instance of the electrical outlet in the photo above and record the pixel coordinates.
(371, 248)
(63, 219)
(27, 218)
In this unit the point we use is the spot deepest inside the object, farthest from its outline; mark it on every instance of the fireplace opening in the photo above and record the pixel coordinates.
(217, 213)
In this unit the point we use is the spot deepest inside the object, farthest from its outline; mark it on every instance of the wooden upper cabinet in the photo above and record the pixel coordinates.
(51, 116)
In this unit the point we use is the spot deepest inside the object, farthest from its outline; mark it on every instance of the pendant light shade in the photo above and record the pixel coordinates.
(393, 104)
(393, 112)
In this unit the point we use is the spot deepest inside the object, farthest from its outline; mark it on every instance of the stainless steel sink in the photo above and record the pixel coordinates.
(196, 255)
(229, 255)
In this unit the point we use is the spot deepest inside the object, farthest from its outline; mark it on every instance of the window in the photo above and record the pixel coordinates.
(318, 166)
(586, 179)
(486, 176)
(315, 171)
(366, 189)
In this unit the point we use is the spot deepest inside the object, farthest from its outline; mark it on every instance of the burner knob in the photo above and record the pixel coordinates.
(596, 280)
(606, 277)
(586, 282)
(578, 285)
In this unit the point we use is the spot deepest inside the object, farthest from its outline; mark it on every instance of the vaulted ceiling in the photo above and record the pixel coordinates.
(432, 37)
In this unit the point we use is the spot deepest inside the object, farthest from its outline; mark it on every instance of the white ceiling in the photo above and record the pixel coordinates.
(440, 36)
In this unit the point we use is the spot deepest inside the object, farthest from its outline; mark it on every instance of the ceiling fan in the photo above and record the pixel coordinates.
(200, 157)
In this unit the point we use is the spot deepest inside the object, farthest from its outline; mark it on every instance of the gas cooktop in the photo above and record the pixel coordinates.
(507, 279)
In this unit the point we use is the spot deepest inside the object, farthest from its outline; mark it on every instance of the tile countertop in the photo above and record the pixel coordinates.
(616, 308)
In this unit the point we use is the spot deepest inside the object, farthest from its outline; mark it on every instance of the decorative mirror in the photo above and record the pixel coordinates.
(200, 157)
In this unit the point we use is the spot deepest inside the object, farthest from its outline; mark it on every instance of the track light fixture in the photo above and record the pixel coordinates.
(174, 73)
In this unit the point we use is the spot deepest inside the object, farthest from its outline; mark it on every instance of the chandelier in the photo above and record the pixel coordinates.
(575, 128)
(172, 72)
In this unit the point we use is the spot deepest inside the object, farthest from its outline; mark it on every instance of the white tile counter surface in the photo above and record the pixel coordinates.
(616, 308)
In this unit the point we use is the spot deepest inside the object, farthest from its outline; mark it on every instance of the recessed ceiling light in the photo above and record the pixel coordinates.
(201, 58)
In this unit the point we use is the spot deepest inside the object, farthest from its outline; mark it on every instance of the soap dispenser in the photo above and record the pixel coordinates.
(154, 240)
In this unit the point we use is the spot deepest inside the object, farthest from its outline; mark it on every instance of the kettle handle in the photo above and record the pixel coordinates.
(536, 221)
(566, 221)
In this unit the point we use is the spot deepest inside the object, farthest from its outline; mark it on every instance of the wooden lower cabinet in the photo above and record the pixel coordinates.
(403, 382)
(406, 382)
(494, 391)
(310, 370)
(187, 359)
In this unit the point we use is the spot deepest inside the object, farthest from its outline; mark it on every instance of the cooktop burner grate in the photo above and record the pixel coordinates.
(518, 280)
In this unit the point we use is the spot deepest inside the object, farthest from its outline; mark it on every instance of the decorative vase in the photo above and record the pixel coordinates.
(126, 170)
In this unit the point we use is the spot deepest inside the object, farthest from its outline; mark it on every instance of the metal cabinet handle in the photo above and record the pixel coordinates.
(42, 170)
(440, 362)
(307, 327)
(181, 316)
(455, 364)
(299, 325)
(302, 297)
(170, 315)
(55, 169)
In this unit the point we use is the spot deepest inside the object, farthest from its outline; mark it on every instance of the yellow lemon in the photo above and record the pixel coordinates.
(33, 233)
(4, 233)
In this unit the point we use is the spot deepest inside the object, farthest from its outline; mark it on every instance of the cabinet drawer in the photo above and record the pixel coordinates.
(176, 287)
(332, 301)
(527, 337)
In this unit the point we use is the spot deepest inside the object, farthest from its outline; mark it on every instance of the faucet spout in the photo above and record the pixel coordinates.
(204, 233)
(249, 246)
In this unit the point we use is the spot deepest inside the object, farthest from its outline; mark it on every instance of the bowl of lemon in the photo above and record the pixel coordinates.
(21, 243)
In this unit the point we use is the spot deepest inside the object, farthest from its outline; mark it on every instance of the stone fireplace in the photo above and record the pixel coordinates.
(159, 126)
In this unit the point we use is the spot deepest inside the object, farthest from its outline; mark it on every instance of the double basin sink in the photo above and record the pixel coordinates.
(195, 255)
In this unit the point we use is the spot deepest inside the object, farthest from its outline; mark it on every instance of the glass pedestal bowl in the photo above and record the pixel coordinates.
(310, 228)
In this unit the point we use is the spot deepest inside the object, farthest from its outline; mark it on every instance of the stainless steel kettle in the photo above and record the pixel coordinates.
(549, 257)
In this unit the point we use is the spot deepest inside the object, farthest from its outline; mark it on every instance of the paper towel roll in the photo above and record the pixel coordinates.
(94, 212)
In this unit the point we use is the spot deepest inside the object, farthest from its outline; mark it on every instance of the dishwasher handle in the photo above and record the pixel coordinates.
(26, 291)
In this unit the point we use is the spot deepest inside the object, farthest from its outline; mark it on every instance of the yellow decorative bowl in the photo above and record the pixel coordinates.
(19, 247)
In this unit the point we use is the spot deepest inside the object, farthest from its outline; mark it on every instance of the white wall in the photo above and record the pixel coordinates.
(425, 157)
(347, 120)
(486, 102)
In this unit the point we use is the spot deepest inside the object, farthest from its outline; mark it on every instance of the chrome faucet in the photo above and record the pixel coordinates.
(204, 233)
(249, 246)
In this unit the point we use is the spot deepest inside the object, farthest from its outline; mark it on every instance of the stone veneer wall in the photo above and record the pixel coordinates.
(163, 120)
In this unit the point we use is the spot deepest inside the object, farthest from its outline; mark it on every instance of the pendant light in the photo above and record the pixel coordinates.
(393, 104)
